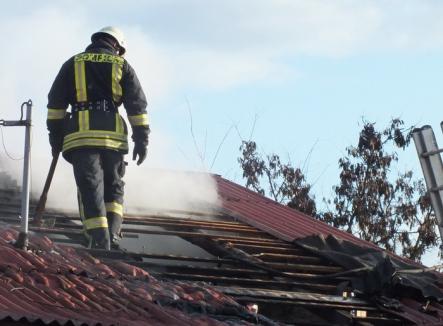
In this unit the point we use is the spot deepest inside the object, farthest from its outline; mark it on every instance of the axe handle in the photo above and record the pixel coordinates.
(43, 197)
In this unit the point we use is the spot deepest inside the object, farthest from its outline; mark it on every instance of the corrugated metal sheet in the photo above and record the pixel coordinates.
(413, 310)
(67, 286)
(279, 220)
(56, 283)
(289, 225)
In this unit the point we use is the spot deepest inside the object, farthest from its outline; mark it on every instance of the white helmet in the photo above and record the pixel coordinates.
(116, 33)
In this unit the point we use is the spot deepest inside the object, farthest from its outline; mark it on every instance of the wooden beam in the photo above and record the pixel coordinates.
(139, 220)
(77, 229)
(257, 249)
(285, 259)
(15, 209)
(116, 254)
(295, 296)
(200, 226)
(177, 223)
(274, 242)
(294, 266)
(225, 271)
(218, 280)
(300, 303)
(277, 243)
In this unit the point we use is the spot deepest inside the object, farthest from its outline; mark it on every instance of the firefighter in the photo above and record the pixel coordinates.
(93, 136)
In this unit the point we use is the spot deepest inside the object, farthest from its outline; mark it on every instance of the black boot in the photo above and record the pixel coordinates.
(115, 223)
(99, 239)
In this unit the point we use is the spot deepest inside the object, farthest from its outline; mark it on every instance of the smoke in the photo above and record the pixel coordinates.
(50, 36)
(147, 190)
(169, 190)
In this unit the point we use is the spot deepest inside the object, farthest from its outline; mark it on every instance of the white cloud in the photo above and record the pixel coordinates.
(217, 45)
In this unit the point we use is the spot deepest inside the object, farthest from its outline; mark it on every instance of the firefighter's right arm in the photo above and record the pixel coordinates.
(57, 104)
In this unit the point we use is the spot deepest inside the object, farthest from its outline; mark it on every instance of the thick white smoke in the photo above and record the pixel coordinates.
(42, 41)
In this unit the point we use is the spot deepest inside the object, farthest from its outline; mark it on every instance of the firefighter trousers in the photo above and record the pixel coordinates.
(98, 175)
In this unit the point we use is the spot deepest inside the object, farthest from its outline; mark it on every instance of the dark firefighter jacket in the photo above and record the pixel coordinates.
(87, 78)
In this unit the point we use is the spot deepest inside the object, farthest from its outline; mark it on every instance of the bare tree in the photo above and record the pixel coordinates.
(284, 183)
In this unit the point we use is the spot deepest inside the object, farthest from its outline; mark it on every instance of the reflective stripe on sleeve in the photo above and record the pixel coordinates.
(56, 114)
(114, 207)
(138, 120)
(95, 223)
(80, 81)
(117, 71)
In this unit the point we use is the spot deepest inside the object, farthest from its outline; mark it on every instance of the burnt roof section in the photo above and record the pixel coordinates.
(236, 253)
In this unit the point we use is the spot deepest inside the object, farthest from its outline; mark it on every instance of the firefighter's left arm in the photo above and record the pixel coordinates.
(134, 101)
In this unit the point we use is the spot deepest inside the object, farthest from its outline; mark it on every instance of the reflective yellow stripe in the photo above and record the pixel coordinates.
(95, 223)
(80, 81)
(108, 143)
(99, 57)
(119, 124)
(96, 134)
(83, 120)
(56, 114)
(138, 120)
(117, 71)
(114, 207)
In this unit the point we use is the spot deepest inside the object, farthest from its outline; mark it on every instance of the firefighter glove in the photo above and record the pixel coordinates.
(56, 142)
(141, 151)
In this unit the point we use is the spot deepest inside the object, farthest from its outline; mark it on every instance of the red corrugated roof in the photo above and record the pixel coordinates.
(56, 283)
(288, 224)
(61, 284)
(279, 220)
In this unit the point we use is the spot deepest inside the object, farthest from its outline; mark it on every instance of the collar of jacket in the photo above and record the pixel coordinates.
(101, 46)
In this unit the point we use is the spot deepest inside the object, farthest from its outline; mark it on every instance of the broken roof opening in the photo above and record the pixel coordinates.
(244, 249)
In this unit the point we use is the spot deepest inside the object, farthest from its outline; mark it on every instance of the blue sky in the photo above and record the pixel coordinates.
(306, 70)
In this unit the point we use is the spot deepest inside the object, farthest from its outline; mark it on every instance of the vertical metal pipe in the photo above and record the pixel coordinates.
(432, 167)
(22, 241)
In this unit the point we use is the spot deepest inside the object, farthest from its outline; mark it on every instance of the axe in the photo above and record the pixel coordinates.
(44, 196)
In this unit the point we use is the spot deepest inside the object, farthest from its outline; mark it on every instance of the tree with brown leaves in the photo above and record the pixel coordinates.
(375, 203)
(284, 183)
(372, 201)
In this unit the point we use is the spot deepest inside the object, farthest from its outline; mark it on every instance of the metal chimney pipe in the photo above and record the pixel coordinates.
(22, 241)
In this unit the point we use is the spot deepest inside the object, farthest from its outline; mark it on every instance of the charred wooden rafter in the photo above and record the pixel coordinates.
(14, 208)
(225, 271)
(257, 249)
(77, 229)
(137, 257)
(285, 259)
(272, 242)
(220, 280)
